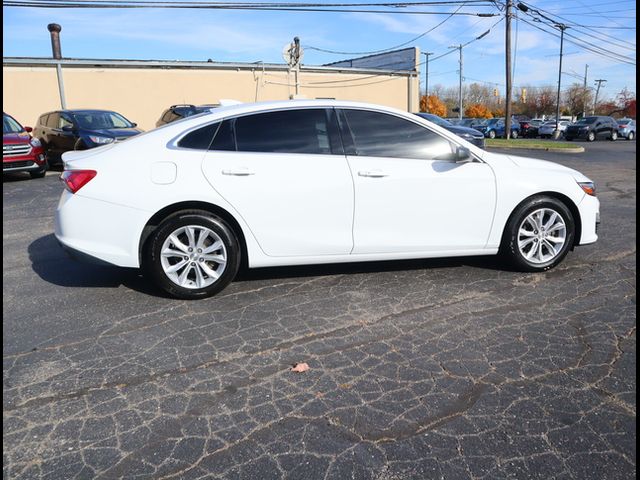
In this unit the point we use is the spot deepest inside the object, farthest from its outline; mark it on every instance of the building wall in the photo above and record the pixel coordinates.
(141, 94)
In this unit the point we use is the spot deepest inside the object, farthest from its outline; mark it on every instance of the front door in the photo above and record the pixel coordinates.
(411, 196)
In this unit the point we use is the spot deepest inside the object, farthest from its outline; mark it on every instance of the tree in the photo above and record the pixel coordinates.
(627, 103)
(477, 110)
(432, 104)
(577, 99)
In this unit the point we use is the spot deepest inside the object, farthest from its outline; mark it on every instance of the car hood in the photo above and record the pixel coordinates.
(534, 163)
(464, 131)
(14, 138)
(114, 132)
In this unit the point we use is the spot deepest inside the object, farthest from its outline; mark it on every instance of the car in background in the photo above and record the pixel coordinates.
(547, 128)
(64, 130)
(20, 151)
(495, 128)
(312, 182)
(593, 128)
(469, 134)
(178, 112)
(529, 128)
(627, 128)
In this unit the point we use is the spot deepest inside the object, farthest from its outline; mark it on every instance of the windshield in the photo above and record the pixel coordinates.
(101, 120)
(586, 121)
(9, 125)
(436, 119)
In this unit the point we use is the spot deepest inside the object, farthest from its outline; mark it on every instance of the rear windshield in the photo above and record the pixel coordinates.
(9, 125)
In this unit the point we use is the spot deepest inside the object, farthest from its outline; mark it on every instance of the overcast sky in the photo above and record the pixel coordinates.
(248, 36)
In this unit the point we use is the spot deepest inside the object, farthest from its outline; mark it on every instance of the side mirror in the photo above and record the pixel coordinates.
(67, 128)
(28, 129)
(133, 124)
(463, 155)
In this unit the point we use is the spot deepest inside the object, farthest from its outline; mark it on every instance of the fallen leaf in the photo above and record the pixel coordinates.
(300, 367)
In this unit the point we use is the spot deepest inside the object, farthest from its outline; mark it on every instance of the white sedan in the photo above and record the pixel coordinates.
(310, 182)
(547, 128)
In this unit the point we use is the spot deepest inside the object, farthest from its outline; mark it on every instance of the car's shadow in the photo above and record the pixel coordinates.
(52, 264)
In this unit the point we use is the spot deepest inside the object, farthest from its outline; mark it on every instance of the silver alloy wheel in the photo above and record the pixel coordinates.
(542, 235)
(193, 257)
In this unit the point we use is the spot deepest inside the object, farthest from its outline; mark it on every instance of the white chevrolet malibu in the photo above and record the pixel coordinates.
(309, 182)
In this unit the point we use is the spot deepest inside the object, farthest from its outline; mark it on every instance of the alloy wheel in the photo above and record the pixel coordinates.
(542, 236)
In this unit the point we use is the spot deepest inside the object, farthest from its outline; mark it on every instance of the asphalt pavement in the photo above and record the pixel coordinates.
(448, 369)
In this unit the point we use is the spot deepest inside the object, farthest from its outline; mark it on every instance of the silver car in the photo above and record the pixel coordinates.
(547, 128)
(627, 128)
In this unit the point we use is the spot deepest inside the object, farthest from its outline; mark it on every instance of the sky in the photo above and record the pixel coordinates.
(250, 36)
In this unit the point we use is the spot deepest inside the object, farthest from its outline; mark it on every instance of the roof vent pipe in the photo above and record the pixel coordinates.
(54, 30)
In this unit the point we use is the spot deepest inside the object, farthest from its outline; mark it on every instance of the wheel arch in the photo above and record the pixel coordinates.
(573, 208)
(170, 210)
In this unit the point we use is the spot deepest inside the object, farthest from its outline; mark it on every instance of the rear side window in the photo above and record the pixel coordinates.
(43, 120)
(215, 136)
(290, 131)
(52, 120)
(378, 134)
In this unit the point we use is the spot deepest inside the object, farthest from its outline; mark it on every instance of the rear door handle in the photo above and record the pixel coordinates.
(238, 172)
(373, 174)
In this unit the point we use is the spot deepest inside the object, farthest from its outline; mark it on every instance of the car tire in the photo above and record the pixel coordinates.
(491, 134)
(591, 137)
(186, 270)
(631, 136)
(40, 173)
(568, 139)
(614, 136)
(528, 247)
(514, 134)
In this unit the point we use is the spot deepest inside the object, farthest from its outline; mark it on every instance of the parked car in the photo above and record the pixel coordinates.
(178, 112)
(65, 130)
(547, 128)
(495, 128)
(627, 128)
(593, 128)
(529, 128)
(311, 182)
(20, 151)
(469, 134)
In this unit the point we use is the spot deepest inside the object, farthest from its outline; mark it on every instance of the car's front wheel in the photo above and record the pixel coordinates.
(192, 254)
(492, 134)
(591, 136)
(514, 134)
(538, 235)
(614, 136)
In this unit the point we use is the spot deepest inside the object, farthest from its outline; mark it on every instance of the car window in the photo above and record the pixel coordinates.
(52, 121)
(224, 139)
(101, 120)
(43, 120)
(9, 125)
(199, 139)
(290, 131)
(64, 121)
(378, 134)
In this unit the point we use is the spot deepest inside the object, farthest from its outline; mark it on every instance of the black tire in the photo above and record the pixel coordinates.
(40, 173)
(514, 134)
(591, 137)
(492, 134)
(151, 261)
(631, 136)
(568, 139)
(509, 248)
(614, 136)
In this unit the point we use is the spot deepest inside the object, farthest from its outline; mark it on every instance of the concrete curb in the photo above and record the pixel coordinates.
(546, 149)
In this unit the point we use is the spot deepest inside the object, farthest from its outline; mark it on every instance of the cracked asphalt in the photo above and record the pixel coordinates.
(446, 369)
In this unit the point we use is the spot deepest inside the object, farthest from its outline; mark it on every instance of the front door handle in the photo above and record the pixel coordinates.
(373, 174)
(238, 172)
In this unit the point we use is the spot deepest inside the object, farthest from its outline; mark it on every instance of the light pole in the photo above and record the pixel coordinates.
(426, 74)
(562, 28)
(459, 47)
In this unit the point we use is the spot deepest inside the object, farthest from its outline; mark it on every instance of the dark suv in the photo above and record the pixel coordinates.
(593, 128)
(65, 130)
(178, 112)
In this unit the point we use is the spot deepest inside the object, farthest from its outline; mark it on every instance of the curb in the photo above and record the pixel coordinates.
(546, 149)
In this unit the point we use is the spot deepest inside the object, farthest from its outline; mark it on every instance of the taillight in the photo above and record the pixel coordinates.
(74, 180)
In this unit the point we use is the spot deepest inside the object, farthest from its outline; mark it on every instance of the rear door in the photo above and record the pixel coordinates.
(286, 174)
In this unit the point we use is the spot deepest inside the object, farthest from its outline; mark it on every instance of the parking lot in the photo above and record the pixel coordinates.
(453, 369)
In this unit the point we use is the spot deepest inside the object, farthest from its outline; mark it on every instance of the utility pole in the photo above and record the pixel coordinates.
(562, 28)
(507, 38)
(584, 98)
(426, 73)
(459, 47)
(595, 100)
(54, 31)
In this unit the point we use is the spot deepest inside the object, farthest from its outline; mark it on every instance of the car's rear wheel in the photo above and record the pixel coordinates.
(591, 136)
(631, 136)
(538, 235)
(192, 254)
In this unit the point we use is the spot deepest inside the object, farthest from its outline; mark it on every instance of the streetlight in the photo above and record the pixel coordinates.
(562, 28)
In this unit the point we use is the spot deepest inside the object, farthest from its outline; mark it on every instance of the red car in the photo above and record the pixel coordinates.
(20, 151)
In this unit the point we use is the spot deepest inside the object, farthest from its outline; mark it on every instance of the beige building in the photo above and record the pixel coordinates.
(142, 90)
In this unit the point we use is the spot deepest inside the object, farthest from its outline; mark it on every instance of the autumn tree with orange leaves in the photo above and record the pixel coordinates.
(477, 110)
(433, 104)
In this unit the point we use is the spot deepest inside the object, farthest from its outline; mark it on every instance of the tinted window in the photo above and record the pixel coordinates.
(292, 131)
(224, 139)
(101, 120)
(64, 121)
(382, 135)
(199, 139)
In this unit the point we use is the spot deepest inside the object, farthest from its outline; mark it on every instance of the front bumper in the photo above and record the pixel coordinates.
(589, 209)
